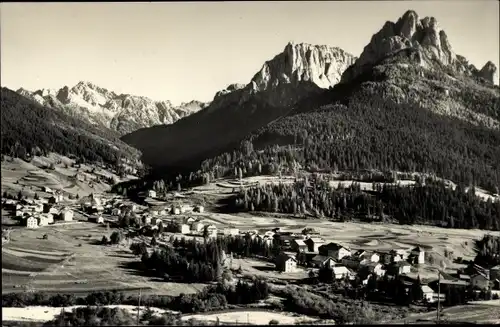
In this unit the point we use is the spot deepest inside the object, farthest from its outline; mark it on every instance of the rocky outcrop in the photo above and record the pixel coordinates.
(489, 72)
(121, 112)
(291, 75)
(424, 35)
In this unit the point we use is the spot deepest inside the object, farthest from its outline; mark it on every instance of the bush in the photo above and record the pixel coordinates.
(274, 322)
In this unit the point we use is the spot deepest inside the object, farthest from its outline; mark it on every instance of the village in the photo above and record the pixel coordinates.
(298, 251)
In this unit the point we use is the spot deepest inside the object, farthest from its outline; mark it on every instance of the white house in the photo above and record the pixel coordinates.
(199, 209)
(152, 194)
(67, 214)
(334, 250)
(116, 212)
(48, 217)
(419, 254)
(176, 211)
(31, 222)
(184, 228)
(42, 221)
(286, 263)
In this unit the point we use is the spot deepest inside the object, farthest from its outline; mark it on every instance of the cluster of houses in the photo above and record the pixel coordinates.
(310, 250)
(35, 213)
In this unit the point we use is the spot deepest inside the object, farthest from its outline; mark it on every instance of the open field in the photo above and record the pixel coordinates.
(436, 241)
(471, 313)
(43, 314)
(70, 261)
(254, 317)
(29, 177)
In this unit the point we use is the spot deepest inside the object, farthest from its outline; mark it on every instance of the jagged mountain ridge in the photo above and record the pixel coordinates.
(427, 38)
(123, 113)
(298, 72)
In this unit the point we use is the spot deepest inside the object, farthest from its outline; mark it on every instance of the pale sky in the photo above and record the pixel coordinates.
(183, 51)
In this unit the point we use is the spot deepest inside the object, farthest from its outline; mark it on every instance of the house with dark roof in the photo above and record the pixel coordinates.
(323, 261)
(286, 263)
(298, 245)
(314, 243)
(334, 250)
(480, 281)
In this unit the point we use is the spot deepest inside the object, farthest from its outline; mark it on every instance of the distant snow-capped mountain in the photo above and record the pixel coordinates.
(124, 113)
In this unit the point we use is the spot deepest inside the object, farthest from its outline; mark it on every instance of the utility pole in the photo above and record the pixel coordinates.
(139, 306)
(439, 295)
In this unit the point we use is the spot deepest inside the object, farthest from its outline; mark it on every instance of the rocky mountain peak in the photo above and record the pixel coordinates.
(489, 72)
(290, 75)
(410, 31)
(123, 113)
(301, 62)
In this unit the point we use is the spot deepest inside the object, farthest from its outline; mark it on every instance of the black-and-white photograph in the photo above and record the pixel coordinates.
(250, 163)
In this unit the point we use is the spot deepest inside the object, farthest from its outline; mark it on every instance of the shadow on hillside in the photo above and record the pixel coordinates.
(136, 268)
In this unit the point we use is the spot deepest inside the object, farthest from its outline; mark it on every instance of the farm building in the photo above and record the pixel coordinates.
(231, 231)
(155, 220)
(480, 281)
(419, 255)
(116, 212)
(96, 219)
(176, 210)
(298, 245)
(199, 209)
(314, 243)
(334, 250)
(286, 263)
(66, 214)
(152, 194)
(47, 189)
(31, 222)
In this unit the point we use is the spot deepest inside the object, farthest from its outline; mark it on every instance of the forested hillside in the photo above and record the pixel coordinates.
(383, 121)
(431, 202)
(30, 129)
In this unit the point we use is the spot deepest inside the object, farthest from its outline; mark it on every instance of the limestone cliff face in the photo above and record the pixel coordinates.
(291, 75)
(424, 35)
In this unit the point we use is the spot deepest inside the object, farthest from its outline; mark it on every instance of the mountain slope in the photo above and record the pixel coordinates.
(123, 113)
(29, 128)
(394, 114)
(298, 72)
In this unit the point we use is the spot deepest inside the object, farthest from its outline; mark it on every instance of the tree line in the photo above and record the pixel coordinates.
(429, 202)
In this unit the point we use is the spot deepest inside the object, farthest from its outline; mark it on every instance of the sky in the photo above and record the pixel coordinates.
(183, 51)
